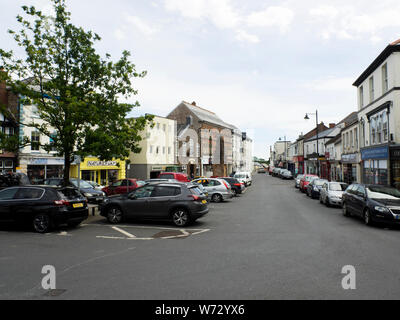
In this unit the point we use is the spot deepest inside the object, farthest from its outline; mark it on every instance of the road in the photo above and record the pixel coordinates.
(271, 243)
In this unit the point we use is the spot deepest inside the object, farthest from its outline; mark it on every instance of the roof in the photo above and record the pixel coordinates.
(207, 116)
(350, 119)
(322, 135)
(392, 47)
(335, 139)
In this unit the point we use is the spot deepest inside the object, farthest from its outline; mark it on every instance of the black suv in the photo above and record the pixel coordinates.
(374, 203)
(181, 203)
(43, 207)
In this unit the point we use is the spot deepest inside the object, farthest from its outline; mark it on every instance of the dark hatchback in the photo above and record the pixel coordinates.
(181, 203)
(373, 203)
(313, 189)
(235, 184)
(43, 207)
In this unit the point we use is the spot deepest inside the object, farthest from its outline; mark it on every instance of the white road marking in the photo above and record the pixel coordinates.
(122, 238)
(129, 235)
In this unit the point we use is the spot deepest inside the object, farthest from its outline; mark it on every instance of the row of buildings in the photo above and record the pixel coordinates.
(364, 146)
(162, 146)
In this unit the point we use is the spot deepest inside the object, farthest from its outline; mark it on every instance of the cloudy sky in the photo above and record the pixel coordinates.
(259, 64)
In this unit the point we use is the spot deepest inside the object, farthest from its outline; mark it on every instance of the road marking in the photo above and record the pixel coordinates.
(129, 235)
(122, 238)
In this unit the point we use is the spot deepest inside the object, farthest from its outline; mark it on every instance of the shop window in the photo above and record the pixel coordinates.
(8, 164)
(385, 126)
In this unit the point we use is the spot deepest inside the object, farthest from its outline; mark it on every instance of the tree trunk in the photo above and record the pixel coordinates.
(67, 166)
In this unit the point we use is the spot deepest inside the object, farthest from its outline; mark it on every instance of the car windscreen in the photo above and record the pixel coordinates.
(83, 184)
(338, 187)
(196, 191)
(385, 193)
(300, 176)
(309, 178)
(319, 182)
(240, 176)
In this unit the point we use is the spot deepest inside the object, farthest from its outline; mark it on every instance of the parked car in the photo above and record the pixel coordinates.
(95, 185)
(123, 186)
(44, 207)
(373, 203)
(261, 170)
(92, 195)
(275, 172)
(297, 180)
(160, 180)
(13, 180)
(270, 170)
(332, 192)
(181, 177)
(218, 189)
(314, 188)
(307, 178)
(244, 177)
(180, 203)
(286, 175)
(236, 186)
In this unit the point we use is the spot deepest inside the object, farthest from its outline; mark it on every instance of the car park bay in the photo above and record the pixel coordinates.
(273, 242)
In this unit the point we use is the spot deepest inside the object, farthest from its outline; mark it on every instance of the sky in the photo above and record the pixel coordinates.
(258, 64)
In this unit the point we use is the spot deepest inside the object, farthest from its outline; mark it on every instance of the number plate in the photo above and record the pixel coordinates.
(77, 205)
(204, 202)
(398, 217)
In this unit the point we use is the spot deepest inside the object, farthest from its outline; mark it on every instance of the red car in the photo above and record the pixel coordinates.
(122, 186)
(304, 182)
(181, 177)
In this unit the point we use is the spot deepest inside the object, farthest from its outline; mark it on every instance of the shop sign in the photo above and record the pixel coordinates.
(158, 168)
(350, 158)
(46, 161)
(102, 163)
(375, 153)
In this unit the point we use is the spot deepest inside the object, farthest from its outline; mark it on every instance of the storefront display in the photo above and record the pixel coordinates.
(375, 167)
(395, 166)
(101, 172)
(40, 169)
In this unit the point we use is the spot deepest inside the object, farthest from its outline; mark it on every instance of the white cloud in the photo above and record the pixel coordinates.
(219, 12)
(242, 35)
(141, 25)
(120, 34)
(331, 84)
(280, 17)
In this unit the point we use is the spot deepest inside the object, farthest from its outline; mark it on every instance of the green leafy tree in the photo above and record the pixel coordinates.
(75, 90)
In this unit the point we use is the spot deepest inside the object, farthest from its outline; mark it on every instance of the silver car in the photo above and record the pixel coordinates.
(218, 189)
(286, 174)
(332, 192)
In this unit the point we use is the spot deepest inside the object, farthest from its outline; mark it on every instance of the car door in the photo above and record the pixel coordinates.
(161, 199)
(122, 188)
(136, 205)
(26, 203)
(324, 191)
(350, 192)
(6, 201)
(359, 200)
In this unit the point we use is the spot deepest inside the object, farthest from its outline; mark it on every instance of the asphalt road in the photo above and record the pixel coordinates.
(271, 243)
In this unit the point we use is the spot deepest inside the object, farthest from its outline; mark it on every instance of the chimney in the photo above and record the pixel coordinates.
(194, 103)
(332, 125)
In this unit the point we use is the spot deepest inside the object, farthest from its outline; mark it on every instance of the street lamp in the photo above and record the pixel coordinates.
(316, 120)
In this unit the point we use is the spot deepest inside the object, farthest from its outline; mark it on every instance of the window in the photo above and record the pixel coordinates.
(379, 128)
(8, 194)
(35, 141)
(164, 127)
(157, 150)
(361, 94)
(351, 139)
(373, 130)
(362, 133)
(385, 126)
(144, 192)
(166, 192)
(163, 150)
(169, 150)
(158, 126)
(355, 138)
(371, 89)
(53, 136)
(29, 193)
(151, 149)
(385, 82)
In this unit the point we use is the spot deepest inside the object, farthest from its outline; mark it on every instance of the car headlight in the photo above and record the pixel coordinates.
(382, 209)
(88, 195)
(104, 194)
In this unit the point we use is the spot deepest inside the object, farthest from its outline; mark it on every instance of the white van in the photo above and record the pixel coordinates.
(244, 177)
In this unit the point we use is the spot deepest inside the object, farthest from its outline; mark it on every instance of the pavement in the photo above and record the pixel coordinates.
(270, 243)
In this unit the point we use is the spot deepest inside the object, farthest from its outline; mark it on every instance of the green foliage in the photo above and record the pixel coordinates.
(76, 91)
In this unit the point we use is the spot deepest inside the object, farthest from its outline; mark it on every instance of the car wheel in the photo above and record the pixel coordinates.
(235, 192)
(320, 199)
(327, 203)
(41, 223)
(217, 198)
(114, 215)
(345, 210)
(367, 218)
(180, 217)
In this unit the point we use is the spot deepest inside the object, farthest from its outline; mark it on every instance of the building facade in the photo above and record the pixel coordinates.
(378, 92)
(158, 152)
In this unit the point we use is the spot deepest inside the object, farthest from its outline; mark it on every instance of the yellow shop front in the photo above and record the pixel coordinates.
(102, 172)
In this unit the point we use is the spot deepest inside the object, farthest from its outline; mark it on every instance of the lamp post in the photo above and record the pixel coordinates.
(316, 120)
